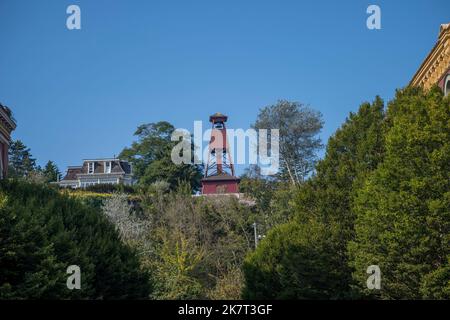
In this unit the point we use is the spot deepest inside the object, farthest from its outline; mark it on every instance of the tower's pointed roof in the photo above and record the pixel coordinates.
(217, 116)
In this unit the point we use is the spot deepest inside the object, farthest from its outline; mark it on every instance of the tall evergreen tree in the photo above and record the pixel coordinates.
(323, 222)
(21, 162)
(51, 172)
(403, 209)
(353, 152)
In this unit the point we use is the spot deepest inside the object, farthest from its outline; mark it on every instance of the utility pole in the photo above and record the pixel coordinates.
(256, 234)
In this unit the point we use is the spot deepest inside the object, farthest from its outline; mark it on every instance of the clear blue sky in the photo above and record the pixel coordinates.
(82, 93)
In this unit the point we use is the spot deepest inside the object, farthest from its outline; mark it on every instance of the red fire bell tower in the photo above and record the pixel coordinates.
(219, 173)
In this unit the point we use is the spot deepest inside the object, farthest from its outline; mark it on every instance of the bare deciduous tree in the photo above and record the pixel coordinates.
(132, 229)
(298, 127)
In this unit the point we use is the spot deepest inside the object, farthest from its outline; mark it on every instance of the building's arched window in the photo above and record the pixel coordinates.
(447, 85)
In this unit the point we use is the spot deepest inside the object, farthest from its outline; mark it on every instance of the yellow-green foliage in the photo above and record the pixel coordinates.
(82, 194)
(194, 244)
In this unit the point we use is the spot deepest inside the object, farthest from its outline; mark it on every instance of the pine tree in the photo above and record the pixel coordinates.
(21, 162)
(51, 172)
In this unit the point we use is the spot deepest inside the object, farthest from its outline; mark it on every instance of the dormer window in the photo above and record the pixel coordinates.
(91, 166)
(107, 166)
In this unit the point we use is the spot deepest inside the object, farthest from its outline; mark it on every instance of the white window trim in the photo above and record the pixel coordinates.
(109, 166)
(89, 167)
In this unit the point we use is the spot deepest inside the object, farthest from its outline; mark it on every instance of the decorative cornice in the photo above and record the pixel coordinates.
(6, 119)
(443, 29)
(436, 63)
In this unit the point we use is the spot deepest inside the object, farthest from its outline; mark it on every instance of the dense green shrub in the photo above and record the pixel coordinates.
(292, 262)
(43, 232)
(381, 196)
(403, 208)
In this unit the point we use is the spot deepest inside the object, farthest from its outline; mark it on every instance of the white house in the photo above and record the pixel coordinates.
(98, 171)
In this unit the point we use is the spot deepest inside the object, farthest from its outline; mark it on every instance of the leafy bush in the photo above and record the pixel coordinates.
(192, 245)
(197, 242)
(292, 262)
(43, 232)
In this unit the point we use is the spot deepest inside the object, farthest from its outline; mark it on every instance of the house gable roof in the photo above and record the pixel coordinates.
(117, 167)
